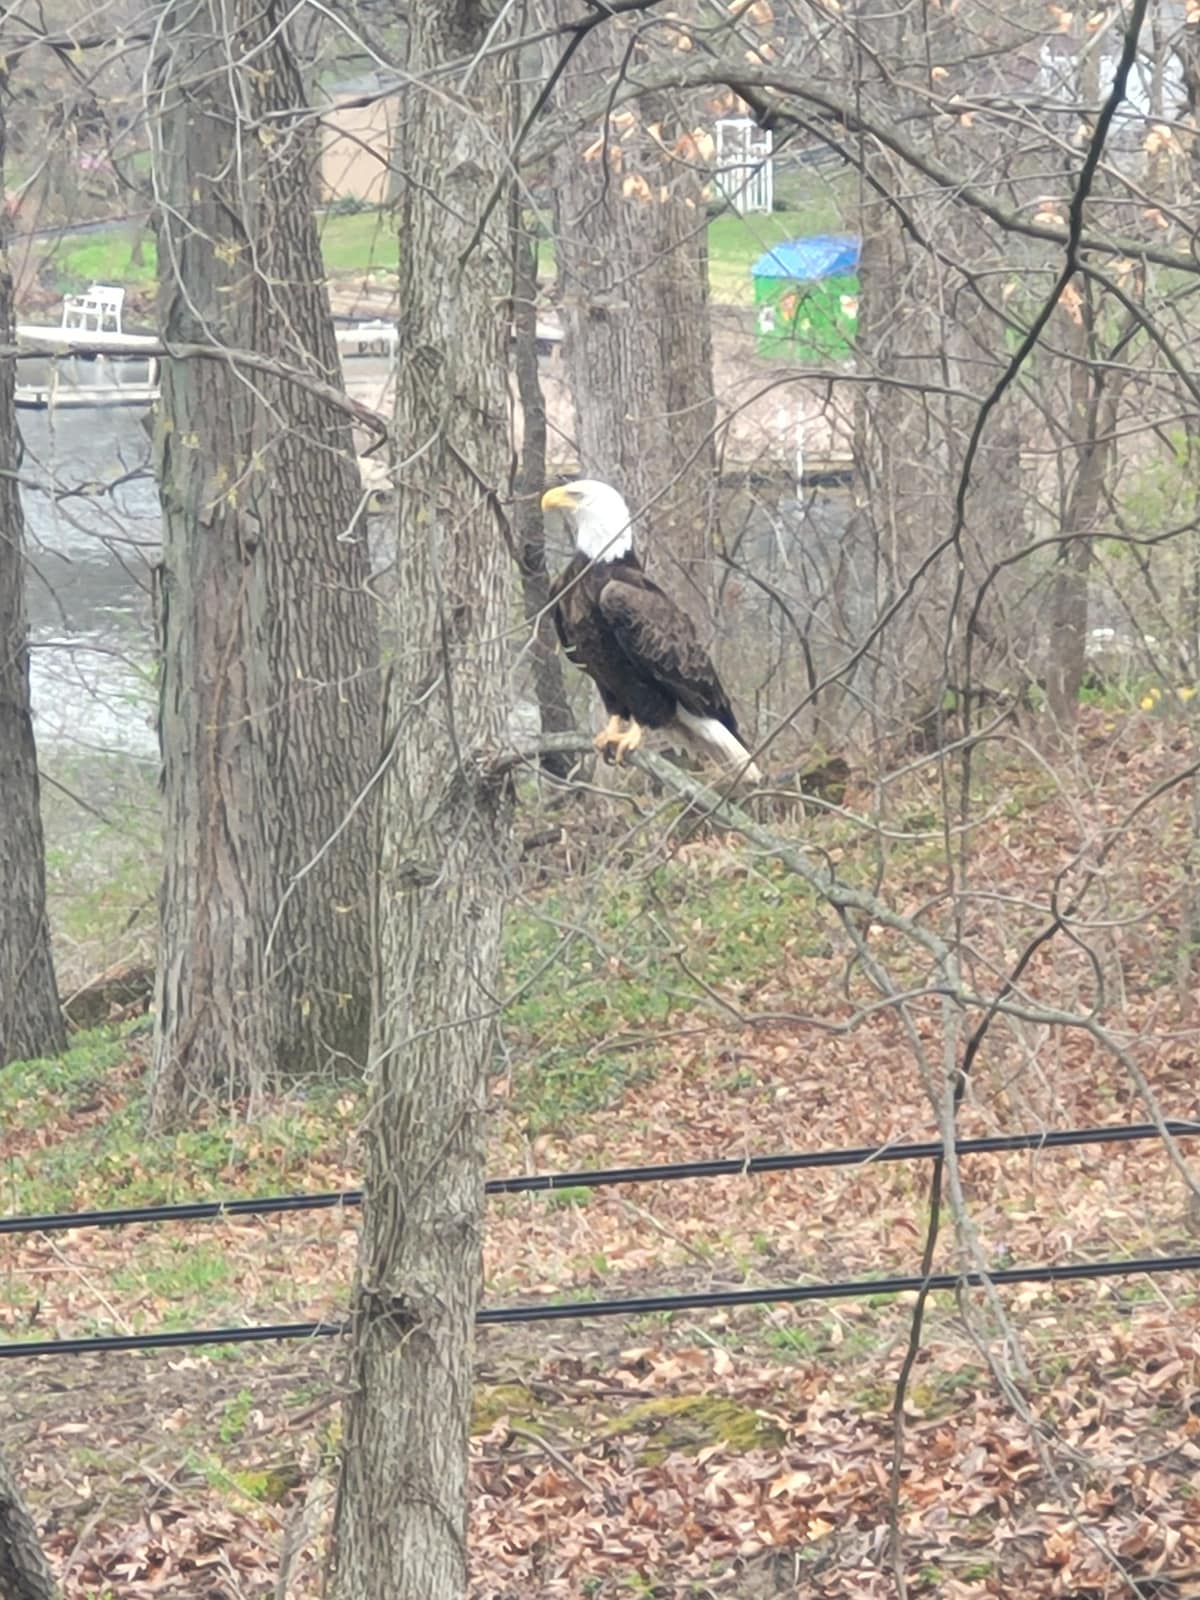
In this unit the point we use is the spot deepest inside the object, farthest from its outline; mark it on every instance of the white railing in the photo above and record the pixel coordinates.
(98, 310)
(745, 167)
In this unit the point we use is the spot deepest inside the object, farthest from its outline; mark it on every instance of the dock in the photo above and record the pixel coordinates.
(777, 425)
(55, 396)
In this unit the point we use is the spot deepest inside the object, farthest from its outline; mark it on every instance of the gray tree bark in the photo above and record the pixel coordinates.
(923, 329)
(446, 836)
(269, 719)
(1093, 401)
(554, 709)
(1188, 55)
(632, 254)
(31, 1022)
(1093, 395)
(24, 1573)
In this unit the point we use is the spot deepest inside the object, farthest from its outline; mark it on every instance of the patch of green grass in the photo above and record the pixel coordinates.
(735, 242)
(235, 1416)
(99, 910)
(363, 242)
(29, 1088)
(591, 967)
(1136, 690)
(101, 870)
(1111, 694)
(114, 255)
(795, 1341)
(116, 1162)
(257, 1484)
(191, 1278)
(966, 1380)
(873, 1397)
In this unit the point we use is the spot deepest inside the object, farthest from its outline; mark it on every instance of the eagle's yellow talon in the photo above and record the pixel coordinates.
(608, 735)
(626, 742)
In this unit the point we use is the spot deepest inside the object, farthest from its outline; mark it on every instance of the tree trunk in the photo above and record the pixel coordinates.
(631, 248)
(1094, 393)
(1092, 396)
(24, 1574)
(1188, 55)
(268, 710)
(446, 834)
(1068, 624)
(31, 1022)
(926, 328)
(554, 710)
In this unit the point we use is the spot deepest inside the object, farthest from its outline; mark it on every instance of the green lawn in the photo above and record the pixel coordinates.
(108, 257)
(735, 243)
(363, 243)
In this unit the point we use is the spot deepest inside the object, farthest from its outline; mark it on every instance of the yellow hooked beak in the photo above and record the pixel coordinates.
(559, 499)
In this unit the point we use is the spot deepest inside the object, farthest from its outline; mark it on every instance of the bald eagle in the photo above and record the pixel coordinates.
(635, 643)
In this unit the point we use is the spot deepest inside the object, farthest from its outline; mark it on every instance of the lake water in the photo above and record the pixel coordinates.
(90, 553)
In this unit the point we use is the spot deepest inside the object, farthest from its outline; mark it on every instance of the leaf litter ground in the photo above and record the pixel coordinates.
(742, 1453)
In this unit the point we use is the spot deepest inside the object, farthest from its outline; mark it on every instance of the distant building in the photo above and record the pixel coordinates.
(356, 138)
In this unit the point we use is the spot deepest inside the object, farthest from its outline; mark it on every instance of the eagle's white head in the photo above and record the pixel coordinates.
(603, 524)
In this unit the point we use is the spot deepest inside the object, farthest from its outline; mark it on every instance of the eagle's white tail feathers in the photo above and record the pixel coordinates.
(715, 740)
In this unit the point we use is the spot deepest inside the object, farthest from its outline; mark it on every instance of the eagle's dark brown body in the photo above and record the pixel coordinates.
(636, 644)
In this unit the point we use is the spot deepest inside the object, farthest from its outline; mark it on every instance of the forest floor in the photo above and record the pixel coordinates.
(679, 998)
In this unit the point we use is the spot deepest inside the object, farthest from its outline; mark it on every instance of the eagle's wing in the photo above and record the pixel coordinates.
(659, 641)
(569, 608)
(556, 607)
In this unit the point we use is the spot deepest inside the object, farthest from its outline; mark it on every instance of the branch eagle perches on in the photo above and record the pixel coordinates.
(718, 809)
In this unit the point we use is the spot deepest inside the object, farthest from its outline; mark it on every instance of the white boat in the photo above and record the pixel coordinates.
(88, 359)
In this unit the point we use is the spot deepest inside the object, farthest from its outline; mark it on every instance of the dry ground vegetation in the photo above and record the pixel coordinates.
(666, 989)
